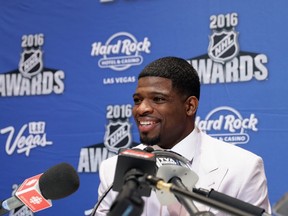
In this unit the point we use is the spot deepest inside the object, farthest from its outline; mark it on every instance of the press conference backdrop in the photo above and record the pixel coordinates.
(68, 70)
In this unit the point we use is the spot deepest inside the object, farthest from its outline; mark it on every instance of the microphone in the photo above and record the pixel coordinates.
(231, 201)
(135, 161)
(132, 165)
(170, 164)
(174, 168)
(37, 192)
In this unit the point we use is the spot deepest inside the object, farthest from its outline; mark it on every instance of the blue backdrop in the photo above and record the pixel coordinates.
(68, 70)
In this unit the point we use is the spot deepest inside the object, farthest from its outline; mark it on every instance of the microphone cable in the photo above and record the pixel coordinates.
(103, 195)
(101, 199)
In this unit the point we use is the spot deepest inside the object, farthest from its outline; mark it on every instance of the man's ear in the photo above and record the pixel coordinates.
(191, 105)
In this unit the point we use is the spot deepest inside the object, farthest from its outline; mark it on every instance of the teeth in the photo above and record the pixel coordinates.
(146, 122)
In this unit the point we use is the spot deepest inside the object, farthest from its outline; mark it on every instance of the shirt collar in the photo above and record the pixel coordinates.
(187, 146)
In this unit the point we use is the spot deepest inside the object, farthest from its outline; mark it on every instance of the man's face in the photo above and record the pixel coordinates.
(160, 112)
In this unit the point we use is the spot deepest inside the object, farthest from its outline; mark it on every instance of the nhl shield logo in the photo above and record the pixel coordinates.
(31, 63)
(117, 136)
(223, 46)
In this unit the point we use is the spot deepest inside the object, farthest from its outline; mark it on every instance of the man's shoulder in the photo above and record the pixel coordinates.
(109, 162)
(227, 148)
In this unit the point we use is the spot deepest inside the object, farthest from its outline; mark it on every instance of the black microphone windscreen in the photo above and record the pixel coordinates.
(149, 149)
(59, 181)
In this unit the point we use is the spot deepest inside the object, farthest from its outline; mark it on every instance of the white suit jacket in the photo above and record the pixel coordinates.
(220, 166)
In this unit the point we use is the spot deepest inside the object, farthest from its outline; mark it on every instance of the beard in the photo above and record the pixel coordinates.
(150, 141)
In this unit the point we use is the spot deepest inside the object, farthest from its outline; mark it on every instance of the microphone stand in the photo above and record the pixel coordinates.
(128, 201)
(186, 202)
(161, 185)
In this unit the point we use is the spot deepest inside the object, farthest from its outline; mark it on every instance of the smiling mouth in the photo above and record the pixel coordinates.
(146, 126)
(146, 123)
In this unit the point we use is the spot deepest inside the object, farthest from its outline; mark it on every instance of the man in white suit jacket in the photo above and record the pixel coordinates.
(165, 106)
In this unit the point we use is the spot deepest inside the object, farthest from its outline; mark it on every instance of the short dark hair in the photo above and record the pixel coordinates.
(184, 77)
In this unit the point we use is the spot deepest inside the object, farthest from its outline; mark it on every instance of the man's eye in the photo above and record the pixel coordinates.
(158, 99)
(136, 100)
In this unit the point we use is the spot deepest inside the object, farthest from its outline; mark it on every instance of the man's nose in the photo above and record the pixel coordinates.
(144, 107)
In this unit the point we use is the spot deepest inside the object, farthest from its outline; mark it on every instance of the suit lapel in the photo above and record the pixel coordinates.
(211, 174)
